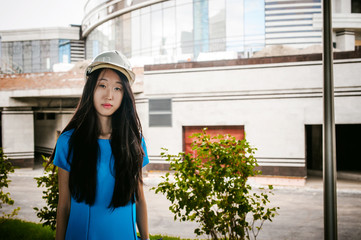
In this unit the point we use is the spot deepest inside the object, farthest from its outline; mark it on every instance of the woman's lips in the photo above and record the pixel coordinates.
(107, 105)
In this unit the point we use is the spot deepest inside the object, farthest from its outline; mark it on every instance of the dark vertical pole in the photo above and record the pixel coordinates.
(329, 148)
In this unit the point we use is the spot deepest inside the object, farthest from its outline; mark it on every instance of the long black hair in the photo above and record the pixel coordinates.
(125, 140)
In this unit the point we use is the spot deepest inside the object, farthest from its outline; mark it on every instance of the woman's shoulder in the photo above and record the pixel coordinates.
(62, 150)
(65, 136)
(68, 133)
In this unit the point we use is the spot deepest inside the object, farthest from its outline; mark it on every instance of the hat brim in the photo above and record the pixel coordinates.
(128, 74)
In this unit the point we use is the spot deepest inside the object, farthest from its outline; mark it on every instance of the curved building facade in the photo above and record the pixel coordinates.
(158, 31)
(154, 32)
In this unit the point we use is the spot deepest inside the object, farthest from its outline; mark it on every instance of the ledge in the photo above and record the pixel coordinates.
(253, 61)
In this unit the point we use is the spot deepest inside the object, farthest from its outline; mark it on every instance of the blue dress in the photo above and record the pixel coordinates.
(98, 221)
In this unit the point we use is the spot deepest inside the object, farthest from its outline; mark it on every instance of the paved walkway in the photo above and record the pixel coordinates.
(300, 215)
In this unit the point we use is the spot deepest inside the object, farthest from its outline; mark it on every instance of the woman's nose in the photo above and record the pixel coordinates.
(109, 94)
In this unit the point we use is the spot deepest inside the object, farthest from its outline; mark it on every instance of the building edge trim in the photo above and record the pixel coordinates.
(252, 63)
(87, 31)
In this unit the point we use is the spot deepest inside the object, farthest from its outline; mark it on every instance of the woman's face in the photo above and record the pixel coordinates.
(108, 93)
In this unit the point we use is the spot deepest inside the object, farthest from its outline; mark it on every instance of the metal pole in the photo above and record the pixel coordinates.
(329, 147)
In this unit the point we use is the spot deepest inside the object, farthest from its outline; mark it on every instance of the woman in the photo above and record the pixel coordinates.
(100, 155)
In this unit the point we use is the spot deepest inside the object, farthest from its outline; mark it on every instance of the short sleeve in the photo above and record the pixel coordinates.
(61, 152)
(145, 158)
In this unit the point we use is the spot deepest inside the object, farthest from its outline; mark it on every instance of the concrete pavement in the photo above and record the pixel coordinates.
(300, 215)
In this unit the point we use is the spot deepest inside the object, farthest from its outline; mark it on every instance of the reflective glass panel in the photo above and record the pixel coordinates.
(157, 29)
(254, 22)
(217, 25)
(169, 36)
(27, 56)
(127, 35)
(235, 25)
(184, 34)
(135, 20)
(201, 27)
(145, 31)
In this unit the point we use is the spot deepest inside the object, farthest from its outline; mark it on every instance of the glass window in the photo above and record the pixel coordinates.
(145, 31)
(235, 25)
(54, 52)
(111, 34)
(27, 56)
(18, 57)
(160, 112)
(169, 29)
(7, 55)
(64, 51)
(97, 43)
(135, 18)
(201, 27)
(95, 48)
(127, 35)
(35, 56)
(157, 28)
(105, 34)
(45, 55)
(184, 15)
(118, 32)
(89, 46)
(254, 25)
(356, 6)
(217, 25)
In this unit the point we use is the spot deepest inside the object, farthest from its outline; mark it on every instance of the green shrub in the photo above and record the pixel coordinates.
(211, 188)
(15, 229)
(18, 229)
(5, 168)
(47, 214)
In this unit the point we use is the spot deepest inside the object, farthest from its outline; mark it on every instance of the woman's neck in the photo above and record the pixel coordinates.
(105, 124)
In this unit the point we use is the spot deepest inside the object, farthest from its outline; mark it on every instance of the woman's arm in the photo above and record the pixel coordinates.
(142, 215)
(63, 210)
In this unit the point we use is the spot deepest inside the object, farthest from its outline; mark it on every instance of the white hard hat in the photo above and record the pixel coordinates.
(114, 60)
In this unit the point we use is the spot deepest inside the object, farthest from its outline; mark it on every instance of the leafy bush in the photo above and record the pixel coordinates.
(211, 188)
(17, 229)
(6, 168)
(47, 214)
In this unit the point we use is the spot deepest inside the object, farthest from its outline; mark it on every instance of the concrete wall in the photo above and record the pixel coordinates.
(46, 131)
(18, 136)
(272, 101)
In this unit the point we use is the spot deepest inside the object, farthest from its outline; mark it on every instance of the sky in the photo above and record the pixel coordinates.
(25, 14)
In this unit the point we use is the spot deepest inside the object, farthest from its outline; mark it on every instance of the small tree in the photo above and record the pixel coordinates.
(49, 180)
(211, 188)
(5, 168)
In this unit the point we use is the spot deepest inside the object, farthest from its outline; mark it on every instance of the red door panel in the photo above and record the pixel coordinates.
(236, 131)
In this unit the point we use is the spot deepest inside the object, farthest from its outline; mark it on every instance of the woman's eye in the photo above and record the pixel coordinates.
(102, 85)
(117, 89)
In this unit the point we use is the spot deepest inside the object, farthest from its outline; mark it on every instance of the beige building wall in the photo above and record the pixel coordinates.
(18, 136)
(273, 102)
